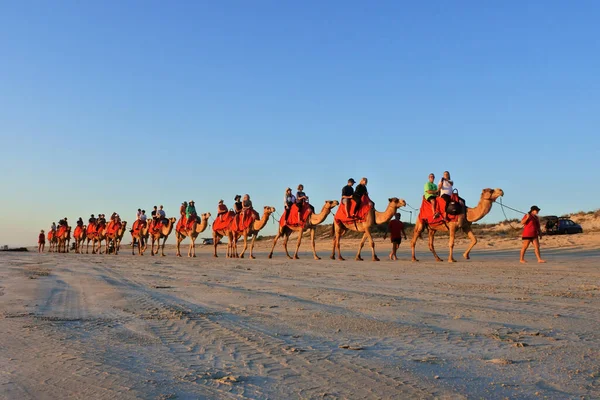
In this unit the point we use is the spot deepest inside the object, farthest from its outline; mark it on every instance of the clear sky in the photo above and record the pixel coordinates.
(113, 105)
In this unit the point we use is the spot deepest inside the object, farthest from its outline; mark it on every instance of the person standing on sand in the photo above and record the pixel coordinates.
(41, 242)
(396, 230)
(531, 233)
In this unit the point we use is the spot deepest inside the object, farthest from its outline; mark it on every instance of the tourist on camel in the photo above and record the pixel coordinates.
(92, 220)
(301, 199)
(246, 207)
(347, 193)
(431, 192)
(154, 214)
(162, 216)
(101, 220)
(41, 242)
(359, 192)
(288, 201)
(183, 209)
(237, 206)
(80, 222)
(138, 214)
(53, 227)
(531, 233)
(221, 210)
(446, 187)
(190, 211)
(143, 218)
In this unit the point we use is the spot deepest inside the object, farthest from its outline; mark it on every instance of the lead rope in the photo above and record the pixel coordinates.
(502, 206)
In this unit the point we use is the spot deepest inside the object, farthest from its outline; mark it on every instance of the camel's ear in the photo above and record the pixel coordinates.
(390, 199)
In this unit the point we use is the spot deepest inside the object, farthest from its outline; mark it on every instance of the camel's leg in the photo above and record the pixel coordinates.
(152, 247)
(192, 250)
(334, 243)
(178, 240)
(274, 243)
(452, 232)
(298, 245)
(245, 245)
(372, 243)
(286, 238)
(215, 241)
(413, 243)
(360, 246)
(431, 246)
(471, 236)
(163, 246)
(338, 239)
(252, 246)
(312, 241)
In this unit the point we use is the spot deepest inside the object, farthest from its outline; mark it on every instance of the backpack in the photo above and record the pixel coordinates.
(455, 206)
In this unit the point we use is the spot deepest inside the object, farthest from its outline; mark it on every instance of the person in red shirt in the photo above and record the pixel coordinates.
(41, 242)
(396, 230)
(531, 233)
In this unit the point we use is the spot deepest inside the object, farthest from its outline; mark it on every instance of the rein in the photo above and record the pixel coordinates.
(502, 206)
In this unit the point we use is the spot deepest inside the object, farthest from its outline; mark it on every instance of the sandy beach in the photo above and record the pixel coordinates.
(98, 326)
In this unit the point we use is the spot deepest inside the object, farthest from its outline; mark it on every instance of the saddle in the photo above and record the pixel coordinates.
(223, 222)
(365, 206)
(456, 208)
(292, 219)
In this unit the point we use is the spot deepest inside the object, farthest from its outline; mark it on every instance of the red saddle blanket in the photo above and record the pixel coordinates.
(61, 231)
(361, 215)
(155, 227)
(112, 228)
(426, 213)
(50, 236)
(137, 226)
(181, 224)
(78, 232)
(240, 225)
(292, 219)
(224, 221)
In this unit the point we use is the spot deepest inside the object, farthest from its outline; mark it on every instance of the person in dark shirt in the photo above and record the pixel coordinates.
(221, 210)
(92, 219)
(347, 193)
(301, 199)
(154, 214)
(237, 206)
(80, 222)
(359, 192)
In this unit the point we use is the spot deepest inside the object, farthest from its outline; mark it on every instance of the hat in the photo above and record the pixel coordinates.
(192, 202)
(351, 180)
(185, 203)
(221, 201)
(237, 197)
(534, 208)
(288, 189)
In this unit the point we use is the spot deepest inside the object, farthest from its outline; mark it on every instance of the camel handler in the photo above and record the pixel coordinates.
(396, 231)
(431, 192)
(221, 210)
(41, 242)
(347, 193)
(531, 233)
(359, 192)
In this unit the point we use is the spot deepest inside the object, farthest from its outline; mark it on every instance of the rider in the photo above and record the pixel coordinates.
(359, 192)
(347, 193)
(288, 200)
(246, 206)
(162, 216)
(190, 211)
(221, 209)
(80, 222)
(237, 206)
(301, 199)
(143, 218)
(446, 187)
(430, 192)
(53, 227)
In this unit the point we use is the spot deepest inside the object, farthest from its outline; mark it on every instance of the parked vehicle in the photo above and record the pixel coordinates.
(561, 226)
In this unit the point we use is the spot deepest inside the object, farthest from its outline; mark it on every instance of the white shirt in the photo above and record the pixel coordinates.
(445, 187)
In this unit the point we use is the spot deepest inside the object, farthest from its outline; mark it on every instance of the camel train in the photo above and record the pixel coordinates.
(357, 215)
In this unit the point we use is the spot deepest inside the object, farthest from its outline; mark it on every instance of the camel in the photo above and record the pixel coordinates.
(315, 219)
(140, 236)
(373, 218)
(225, 232)
(488, 197)
(252, 231)
(52, 242)
(61, 240)
(163, 234)
(115, 237)
(197, 228)
(79, 239)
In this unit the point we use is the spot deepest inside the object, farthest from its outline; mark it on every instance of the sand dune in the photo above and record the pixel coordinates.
(74, 326)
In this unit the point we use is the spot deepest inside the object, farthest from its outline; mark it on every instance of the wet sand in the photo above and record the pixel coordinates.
(98, 326)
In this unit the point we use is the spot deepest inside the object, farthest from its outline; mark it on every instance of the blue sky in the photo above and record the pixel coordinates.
(110, 106)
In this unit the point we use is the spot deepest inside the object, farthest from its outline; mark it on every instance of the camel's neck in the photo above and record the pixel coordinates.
(385, 216)
(482, 209)
(167, 229)
(202, 225)
(258, 225)
(316, 219)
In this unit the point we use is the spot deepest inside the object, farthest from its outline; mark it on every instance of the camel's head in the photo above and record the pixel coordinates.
(330, 204)
(124, 223)
(205, 216)
(268, 210)
(491, 194)
(172, 220)
(396, 202)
